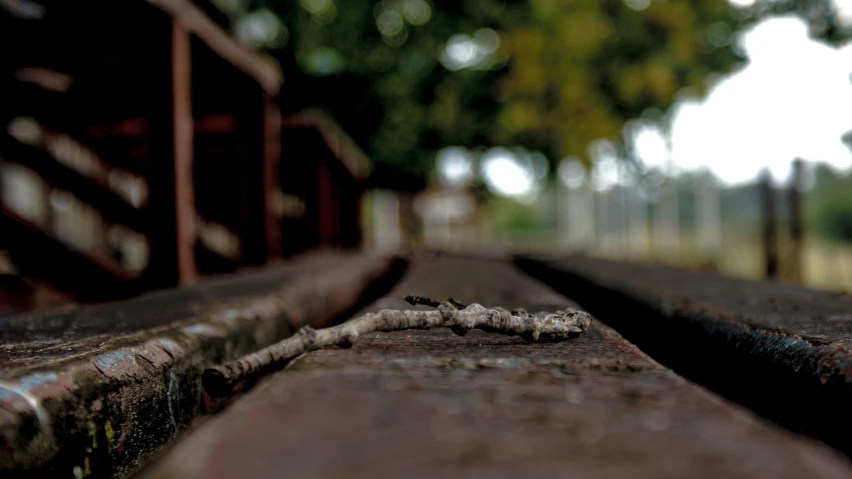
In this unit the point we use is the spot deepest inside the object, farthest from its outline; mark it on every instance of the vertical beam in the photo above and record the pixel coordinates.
(408, 221)
(582, 229)
(794, 196)
(170, 210)
(666, 219)
(638, 225)
(385, 221)
(183, 151)
(602, 220)
(769, 233)
(708, 219)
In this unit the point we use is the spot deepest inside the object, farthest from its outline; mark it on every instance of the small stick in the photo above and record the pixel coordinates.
(218, 381)
(421, 300)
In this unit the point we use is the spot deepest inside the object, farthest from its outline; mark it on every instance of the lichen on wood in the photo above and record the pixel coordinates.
(537, 327)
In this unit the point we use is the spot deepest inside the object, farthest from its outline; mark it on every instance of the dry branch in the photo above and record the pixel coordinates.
(538, 327)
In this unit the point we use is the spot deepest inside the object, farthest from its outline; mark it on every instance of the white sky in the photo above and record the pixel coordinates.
(793, 99)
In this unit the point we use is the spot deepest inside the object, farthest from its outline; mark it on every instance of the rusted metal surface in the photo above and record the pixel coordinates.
(94, 391)
(777, 348)
(431, 404)
(183, 156)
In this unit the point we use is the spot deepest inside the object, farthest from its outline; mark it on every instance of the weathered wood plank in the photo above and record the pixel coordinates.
(431, 404)
(778, 348)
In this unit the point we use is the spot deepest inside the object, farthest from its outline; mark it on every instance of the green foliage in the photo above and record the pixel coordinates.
(566, 72)
(829, 205)
(581, 69)
(510, 217)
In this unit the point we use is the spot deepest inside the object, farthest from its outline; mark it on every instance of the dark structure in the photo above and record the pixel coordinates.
(322, 176)
(142, 152)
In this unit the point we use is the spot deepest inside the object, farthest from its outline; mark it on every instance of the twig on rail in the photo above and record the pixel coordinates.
(539, 327)
(421, 300)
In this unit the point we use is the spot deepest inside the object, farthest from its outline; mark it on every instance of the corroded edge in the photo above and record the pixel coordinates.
(103, 413)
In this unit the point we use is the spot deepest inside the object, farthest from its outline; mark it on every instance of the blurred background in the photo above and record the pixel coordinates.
(708, 134)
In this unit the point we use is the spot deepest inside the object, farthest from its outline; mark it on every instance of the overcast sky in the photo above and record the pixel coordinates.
(793, 98)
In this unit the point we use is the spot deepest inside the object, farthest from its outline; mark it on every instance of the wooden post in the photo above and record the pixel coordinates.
(385, 218)
(666, 219)
(602, 232)
(183, 131)
(708, 219)
(794, 196)
(638, 221)
(563, 216)
(408, 221)
(171, 207)
(770, 226)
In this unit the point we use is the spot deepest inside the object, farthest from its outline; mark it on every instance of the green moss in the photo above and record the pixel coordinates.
(110, 435)
(93, 433)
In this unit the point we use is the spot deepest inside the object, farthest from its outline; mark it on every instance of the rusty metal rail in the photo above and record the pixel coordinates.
(780, 349)
(431, 404)
(96, 390)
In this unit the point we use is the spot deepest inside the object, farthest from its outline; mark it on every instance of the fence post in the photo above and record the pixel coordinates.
(770, 226)
(577, 217)
(794, 196)
(708, 219)
(638, 225)
(667, 223)
(602, 230)
(172, 237)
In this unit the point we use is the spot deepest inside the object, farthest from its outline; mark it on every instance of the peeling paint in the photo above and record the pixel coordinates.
(121, 361)
(93, 433)
(28, 383)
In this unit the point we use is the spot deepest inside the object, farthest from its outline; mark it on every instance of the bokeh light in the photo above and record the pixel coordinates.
(465, 51)
(505, 175)
(455, 166)
(262, 28)
(571, 172)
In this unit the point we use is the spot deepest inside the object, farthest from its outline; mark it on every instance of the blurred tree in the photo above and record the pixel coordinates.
(406, 77)
(583, 68)
(829, 204)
